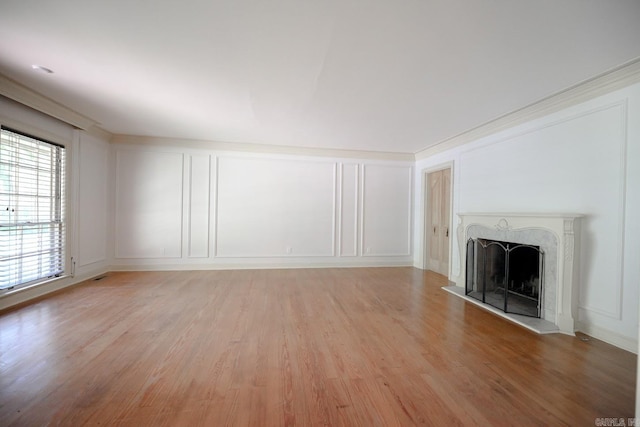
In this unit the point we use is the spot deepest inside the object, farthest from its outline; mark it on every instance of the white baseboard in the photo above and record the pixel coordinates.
(20, 296)
(609, 337)
(155, 266)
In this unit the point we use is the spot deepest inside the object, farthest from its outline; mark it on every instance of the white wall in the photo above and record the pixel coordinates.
(183, 208)
(275, 207)
(387, 210)
(148, 204)
(584, 159)
(92, 205)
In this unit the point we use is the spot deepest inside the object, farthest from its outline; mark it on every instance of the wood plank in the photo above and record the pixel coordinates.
(344, 347)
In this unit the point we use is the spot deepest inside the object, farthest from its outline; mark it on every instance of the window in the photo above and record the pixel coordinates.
(32, 211)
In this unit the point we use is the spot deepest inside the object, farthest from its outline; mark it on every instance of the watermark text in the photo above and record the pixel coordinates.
(616, 422)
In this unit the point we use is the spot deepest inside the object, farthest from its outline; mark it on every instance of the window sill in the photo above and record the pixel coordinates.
(9, 292)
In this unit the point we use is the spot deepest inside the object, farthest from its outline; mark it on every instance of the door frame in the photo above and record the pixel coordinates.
(425, 214)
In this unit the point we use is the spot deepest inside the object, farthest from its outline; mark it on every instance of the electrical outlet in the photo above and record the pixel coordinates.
(368, 250)
(289, 250)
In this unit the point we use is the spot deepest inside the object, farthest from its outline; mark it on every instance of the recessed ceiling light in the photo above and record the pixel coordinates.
(41, 68)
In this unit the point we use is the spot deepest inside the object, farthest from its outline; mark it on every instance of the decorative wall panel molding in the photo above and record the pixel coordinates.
(275, 207)
(198, 205)
(149, 208)
(386, 210)
(348, 209)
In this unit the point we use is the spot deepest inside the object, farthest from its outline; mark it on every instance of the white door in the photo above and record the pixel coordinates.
(438, 227)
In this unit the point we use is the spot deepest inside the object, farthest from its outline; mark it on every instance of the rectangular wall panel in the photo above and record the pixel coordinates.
(148, 204)
(272, 207)
(386, 209)
(198, 208)
(349, 211)
(92, 201)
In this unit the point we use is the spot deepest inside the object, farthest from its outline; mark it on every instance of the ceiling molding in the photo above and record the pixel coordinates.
(261, 148)
(100, 133)
(617, 78)
(30, 98)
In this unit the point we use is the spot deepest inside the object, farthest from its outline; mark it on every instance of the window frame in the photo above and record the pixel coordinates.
(62, 211)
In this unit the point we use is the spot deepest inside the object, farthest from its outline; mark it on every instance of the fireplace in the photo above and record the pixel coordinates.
(521, 266)
(505, 275)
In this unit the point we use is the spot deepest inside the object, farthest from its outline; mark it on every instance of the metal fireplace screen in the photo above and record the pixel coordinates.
(506, 275)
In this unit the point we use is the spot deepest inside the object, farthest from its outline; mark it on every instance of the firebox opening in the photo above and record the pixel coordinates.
(505, 275)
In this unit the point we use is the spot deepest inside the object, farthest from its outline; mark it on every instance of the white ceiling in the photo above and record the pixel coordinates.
(378, 75)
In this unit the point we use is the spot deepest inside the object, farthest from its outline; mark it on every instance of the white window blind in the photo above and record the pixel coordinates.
(32, 211)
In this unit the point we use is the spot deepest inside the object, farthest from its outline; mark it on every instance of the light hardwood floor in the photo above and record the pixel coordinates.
(369, 346)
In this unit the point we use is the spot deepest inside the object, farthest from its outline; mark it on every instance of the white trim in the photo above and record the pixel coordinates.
(354, 218)
(536, 127)
(213, 206)
(260, 148)
(409, 213)
(269, 256)
(73, 174)
(182, 197)
(622, 206)
(97, 265)
(337, 206)
(269, 264)
(189, 204)
(37, 131)
(119, 154)
(209, 212)
(29, 293)
(186, 205)
(608, 336)
(360, 246)
(334, 207)
(68, 149)
(99, 133)
(22, 94)
(617, 78)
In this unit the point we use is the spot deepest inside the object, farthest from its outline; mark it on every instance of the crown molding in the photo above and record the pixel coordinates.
(22, 94)
(614, 79)
(260, 148)
(100, 133)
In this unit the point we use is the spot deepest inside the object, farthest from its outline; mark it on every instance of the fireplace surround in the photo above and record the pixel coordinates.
(558, 238)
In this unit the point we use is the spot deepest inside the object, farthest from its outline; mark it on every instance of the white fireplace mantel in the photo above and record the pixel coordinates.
(561, 265)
